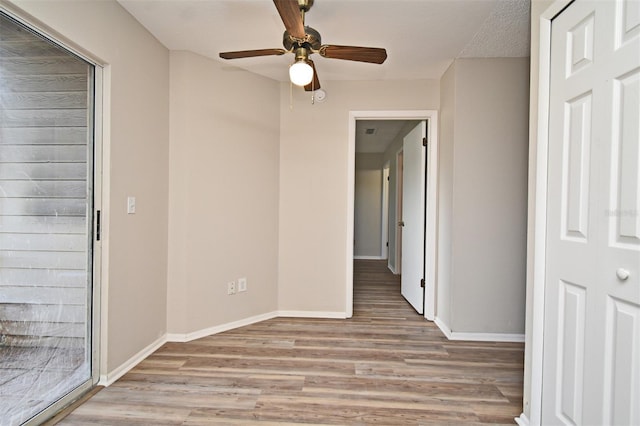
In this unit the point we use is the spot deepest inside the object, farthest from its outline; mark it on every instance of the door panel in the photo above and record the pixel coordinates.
(413, 216)
(591, 355)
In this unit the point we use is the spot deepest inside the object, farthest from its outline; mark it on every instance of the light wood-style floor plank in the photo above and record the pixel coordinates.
(385, 366)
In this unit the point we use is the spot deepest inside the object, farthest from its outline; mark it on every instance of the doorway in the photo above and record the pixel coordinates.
(431, 195)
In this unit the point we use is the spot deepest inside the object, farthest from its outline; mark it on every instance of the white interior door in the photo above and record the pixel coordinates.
(591, 355)
(413, 216)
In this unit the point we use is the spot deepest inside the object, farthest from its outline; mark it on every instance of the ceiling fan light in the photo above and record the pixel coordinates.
(300, 73)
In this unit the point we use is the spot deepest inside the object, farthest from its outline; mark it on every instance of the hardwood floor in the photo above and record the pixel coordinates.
(385, 366)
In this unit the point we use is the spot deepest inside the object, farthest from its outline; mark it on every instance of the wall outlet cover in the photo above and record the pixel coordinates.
(242, 284)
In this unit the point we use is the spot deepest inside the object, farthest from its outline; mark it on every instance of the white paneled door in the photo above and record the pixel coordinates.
(591, 356)
(413, 216)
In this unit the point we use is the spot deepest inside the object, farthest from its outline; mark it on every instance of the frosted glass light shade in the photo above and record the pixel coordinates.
(300, 73)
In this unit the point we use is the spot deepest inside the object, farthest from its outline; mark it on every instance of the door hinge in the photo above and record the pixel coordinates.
(388, 178)
(387, 243)
(422, 283)
(424, 141)
(98, 223)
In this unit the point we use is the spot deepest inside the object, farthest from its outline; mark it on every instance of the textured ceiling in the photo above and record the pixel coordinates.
(422, 37)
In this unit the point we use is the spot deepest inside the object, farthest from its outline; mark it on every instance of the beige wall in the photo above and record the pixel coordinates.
(368, 205)
(138, 147)
(223, 215)
(484, 172)
(313, 184)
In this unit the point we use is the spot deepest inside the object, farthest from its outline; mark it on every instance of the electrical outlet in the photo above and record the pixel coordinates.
(231, 287)
(242, 284)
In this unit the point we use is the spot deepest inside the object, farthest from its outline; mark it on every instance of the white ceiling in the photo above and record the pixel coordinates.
(380, 135)
(422, 37)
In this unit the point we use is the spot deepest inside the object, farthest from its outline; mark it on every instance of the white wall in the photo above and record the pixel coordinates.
(135, 246)
(368, 206)
(223, 215)
(484, 172)
(313, 184)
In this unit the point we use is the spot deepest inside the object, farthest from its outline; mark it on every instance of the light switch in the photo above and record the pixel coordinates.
(131, 205)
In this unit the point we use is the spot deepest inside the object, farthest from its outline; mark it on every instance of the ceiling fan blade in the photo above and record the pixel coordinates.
(372, 55)
(251, 53)
(315, 84)
(289, 11)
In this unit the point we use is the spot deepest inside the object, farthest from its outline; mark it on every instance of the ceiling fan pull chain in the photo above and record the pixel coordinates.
(290, 96)
(313, 92)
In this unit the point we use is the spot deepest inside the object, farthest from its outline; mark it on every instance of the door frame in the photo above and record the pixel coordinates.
(431, 116)
(384, 239)
(534, 336)
(397, 267)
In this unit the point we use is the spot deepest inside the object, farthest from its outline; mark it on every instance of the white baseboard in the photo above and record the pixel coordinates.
(187, 337)
(392, 269)
(523, 420)
(369, 258)
(313, 314)
(477, 337)
(109, 378)
(443, 327)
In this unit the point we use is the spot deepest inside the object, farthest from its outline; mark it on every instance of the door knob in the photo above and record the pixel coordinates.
(401, 223)
(622, 274)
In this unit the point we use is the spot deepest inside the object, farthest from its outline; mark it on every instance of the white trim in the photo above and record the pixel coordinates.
(398, 207)
(488, 337)
(98, 265)
(431, 243)
(523, 420)
(540, 202)
(477, 337)
(384, 232)
(187, 337)
(110, 378)
(350, 234)
(369, 257)
(443, 327)
(432, 196)
(312, 314)
(105, 218)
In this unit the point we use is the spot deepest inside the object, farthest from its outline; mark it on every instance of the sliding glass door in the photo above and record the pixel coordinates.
(46, 222)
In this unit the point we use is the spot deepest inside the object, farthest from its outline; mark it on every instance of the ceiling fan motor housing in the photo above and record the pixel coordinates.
(312, 40)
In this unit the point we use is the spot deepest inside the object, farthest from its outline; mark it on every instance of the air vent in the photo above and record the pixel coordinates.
(370, 131)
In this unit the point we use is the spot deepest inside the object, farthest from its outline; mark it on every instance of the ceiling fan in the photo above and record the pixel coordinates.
(302, 41)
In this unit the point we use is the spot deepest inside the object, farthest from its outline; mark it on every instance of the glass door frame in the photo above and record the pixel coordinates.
(95, 125)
